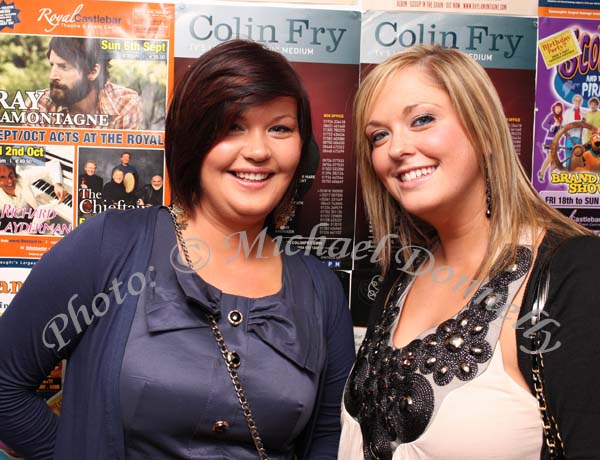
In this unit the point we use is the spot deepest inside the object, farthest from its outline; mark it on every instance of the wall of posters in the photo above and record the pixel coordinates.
(106, 151)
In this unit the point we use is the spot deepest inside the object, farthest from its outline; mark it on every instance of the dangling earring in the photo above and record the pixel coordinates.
(488, 198)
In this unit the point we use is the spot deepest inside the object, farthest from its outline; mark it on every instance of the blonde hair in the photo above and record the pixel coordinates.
(516, 206)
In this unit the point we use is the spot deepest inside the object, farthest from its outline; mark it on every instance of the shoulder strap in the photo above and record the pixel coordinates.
(552, 439)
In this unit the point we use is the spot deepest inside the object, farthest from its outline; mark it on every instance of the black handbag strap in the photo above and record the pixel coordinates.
(552, 439)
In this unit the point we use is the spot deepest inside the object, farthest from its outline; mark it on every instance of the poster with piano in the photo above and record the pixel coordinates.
(81, 82)
(322, 46)
(566, 165)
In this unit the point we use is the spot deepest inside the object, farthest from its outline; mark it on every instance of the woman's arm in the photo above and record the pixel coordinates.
(340, 358)
(40, 327)
(572, 375)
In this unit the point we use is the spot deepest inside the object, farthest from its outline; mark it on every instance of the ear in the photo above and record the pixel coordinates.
(93, 74)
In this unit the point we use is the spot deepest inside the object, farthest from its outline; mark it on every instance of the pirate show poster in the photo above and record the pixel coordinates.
(497, 7)
(13, 273)
(566, 159)
(79, 80)
(322, 46)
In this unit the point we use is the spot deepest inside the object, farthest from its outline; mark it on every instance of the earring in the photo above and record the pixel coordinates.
(488, 198)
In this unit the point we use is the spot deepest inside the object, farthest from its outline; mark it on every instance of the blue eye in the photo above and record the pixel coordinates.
(422, 120)
(377, 136)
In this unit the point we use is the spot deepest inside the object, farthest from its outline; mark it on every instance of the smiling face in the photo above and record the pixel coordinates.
(117, 176)
(557, 109)
(245, 175)
(90, 168)
(8, 180)
(420, 151)
(156, 182)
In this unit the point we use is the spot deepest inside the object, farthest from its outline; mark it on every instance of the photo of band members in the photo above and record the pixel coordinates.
(117, 178)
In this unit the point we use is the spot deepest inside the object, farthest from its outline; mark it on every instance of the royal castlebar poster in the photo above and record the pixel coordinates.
(83, 97)
(566, 163)
(76, 138)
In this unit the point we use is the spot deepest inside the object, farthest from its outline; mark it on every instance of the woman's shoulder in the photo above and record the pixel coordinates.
(316, 268)
(310, 269)
(573, 269)
(114, 227)
(574, 255)
(132, 218)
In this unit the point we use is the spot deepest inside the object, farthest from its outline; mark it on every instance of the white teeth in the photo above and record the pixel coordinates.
(416, 173)
(252, 176)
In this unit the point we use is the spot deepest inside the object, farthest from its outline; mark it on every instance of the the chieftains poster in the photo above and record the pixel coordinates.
(83, 97)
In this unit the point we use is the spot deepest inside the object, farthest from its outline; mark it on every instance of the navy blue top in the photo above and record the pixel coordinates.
(174, 383)
(79, 303)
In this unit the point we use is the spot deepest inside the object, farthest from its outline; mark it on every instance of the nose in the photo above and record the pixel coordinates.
(54, 73)
(257, 148)
(401, 145)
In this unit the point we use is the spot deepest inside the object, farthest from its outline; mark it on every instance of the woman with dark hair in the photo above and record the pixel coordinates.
(188, 332)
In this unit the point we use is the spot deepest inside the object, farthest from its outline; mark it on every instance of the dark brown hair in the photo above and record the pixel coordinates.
(216, 89)
(83, 53)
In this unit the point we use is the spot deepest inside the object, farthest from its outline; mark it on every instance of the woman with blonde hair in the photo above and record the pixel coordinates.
(451, 364)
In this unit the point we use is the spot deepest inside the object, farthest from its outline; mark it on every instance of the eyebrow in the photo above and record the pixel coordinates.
(242, 117)
(405, 111)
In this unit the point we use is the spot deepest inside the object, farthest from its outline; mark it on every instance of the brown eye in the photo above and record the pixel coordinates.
(281, 129)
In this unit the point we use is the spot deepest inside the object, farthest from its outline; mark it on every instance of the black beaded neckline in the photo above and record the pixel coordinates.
(392, 392)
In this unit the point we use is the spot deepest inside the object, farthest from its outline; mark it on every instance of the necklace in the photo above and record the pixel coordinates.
(232, 359)
(392, 392)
